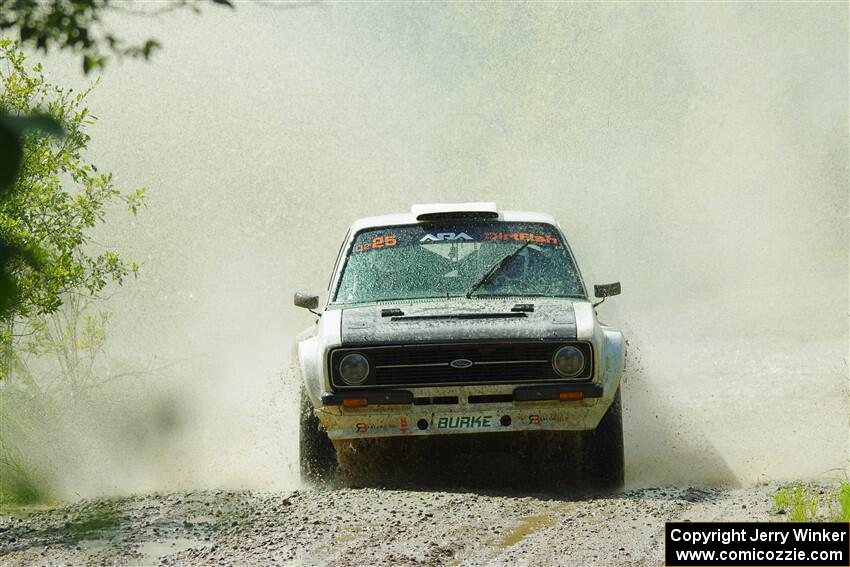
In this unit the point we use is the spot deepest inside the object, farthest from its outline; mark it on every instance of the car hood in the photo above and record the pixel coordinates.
(458, 319)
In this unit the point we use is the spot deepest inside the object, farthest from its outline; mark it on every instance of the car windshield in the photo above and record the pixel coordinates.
(448, 260)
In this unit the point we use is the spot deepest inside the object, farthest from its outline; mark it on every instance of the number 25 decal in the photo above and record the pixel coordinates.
(381, 241)
(378, 242)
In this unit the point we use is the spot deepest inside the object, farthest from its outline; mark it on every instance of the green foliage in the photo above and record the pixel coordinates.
(78, 25)
(12, 129)
(57, 199)
(843, 514)
(50, 199)
(19, 486)
(56, 362)
(807, 503)
(800, 503)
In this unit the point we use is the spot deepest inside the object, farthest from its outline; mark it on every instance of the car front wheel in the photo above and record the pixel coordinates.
(603, 450)
(316, 453)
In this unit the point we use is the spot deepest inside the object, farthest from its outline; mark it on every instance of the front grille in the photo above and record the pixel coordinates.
(430, 365)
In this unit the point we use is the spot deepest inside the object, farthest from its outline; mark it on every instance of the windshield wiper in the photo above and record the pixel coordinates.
(503, 263)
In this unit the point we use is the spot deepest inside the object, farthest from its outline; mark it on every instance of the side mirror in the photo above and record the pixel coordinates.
(306, 301)
(606, 290)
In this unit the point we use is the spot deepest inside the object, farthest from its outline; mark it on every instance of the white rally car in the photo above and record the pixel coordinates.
(461, 320)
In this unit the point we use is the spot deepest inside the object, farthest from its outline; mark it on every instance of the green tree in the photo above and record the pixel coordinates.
(79, 25)
(58, 198)
(50, 199)
(12, 130)
(75, 25)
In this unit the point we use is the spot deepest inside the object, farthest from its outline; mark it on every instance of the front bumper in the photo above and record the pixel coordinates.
(392, 413)
(549, 392)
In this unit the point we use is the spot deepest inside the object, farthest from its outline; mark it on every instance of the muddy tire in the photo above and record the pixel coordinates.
(603, 451)
(316, 452)
(552, 459)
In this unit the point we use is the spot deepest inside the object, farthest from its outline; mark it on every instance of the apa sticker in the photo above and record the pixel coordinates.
(445, 236)
(534, 419)
(362, 427)
(464, 422)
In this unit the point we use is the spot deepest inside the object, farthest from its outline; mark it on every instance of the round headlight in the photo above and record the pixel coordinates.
(354, 369)
(568, 361)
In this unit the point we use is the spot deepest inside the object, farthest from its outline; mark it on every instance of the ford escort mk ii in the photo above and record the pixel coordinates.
(460, 320)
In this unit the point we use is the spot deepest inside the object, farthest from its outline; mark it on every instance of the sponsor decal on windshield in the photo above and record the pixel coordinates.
(377, 243)
(445, 236)
(522, 237)
(396, 239)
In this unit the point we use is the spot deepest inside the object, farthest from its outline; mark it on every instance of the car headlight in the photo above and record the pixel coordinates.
(353, 369)
(568, 361)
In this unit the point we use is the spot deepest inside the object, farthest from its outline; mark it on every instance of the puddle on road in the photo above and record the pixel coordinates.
(528, 525)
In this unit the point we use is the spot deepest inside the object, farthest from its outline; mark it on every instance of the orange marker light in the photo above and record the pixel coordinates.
(571, 396)
(356, 403)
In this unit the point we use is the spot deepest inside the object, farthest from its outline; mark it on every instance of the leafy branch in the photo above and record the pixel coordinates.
(78, 25)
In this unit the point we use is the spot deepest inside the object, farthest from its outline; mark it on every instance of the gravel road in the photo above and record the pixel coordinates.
(348, 527)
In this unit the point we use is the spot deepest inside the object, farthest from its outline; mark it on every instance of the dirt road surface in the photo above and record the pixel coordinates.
(348, 527)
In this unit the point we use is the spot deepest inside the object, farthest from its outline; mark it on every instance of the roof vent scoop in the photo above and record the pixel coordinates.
(448, 211)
